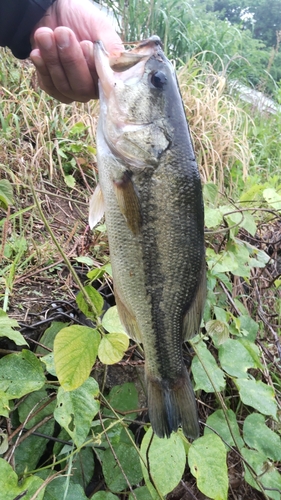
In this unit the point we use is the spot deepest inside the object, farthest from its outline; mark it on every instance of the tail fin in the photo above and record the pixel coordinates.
(171, 403)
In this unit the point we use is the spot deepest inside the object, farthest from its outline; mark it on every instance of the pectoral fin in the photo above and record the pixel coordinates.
(128, 201)
(96, 208)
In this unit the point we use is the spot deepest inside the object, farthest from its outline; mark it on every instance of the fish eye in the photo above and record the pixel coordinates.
(158, 79)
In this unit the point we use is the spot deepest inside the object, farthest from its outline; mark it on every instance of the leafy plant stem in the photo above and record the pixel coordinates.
(6, 298)
(104, 379)
(67, 480)
(121, 421)
(46, 482)
(224, 409)
(116, 458)
(20, 438)
(58, 462)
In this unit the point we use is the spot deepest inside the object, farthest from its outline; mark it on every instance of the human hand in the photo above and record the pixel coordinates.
(63, 51)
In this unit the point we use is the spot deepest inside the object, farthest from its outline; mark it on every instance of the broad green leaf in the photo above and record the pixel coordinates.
(7, 326)
(108, 269)
(96, 300)
(69, 181)
(75, 352)
(235, 218)
(104, 495)
(207, 375)
(257, 435)
(62, 154)
(273, 198)
(83, 464)
(207, 462)
(218, 331)
(235, 359)
(28, 453)
(253, 194)
(258, 257)
(83, 467)
(249, 223)
(49, 362)
(225, 263)
(32, 448)
(220, 424)
(249, 327)
(226, 209)
(113, 432)
(57, 488)
(142, 493)
(96, 273)
(253, 350)
(32, 404)
(128, 458)
(166, 460)
(11, 489)
(78, 129)
(221, 314)
(6, 193)
(210, 192)
(213, 217)
(48, 337)
(267, 475)
(123, 398)
(20, 374)
(101, 228)
(258, 395)
(76, 409)
(241, 308)
(113, 347)
(243, 219)
(4, 404)
(58, 447)
(238, 258)
(83, 259)
(111, 321)
(4, 442)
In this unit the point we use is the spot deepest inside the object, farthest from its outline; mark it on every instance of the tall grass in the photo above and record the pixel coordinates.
(228, 143)
(219, 126)
(187, 30)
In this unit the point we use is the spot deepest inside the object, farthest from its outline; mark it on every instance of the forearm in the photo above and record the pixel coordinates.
(17, 20)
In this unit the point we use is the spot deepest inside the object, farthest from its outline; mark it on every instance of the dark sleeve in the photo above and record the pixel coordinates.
(17, 20)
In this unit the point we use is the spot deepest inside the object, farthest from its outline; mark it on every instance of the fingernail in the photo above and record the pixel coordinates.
(45, 41)
(62, 39)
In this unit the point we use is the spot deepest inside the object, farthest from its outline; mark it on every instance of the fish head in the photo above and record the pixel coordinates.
(138, 96)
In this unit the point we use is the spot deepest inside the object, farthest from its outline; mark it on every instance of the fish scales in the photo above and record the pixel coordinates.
(155, 221)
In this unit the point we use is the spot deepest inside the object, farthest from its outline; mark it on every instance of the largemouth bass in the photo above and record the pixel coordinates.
(151, 191)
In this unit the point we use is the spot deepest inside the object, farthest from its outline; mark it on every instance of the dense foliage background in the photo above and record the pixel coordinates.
(73, 419)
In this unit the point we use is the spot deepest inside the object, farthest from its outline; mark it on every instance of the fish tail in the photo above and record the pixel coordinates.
(172, 403)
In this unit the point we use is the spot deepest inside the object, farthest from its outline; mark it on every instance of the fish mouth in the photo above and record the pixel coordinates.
(129, 66)
(127, 132)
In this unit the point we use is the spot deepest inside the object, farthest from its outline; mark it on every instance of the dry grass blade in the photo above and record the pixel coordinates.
(218, 125)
